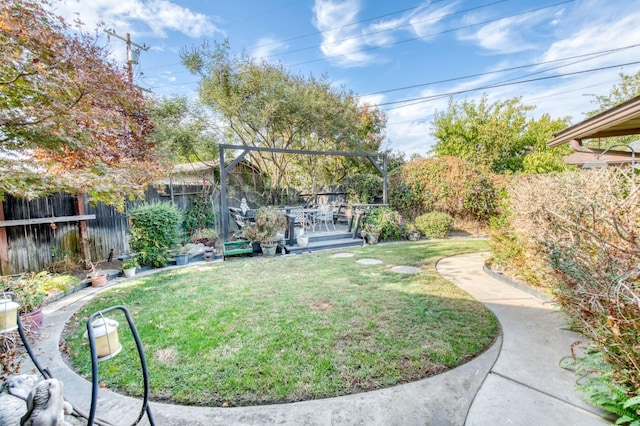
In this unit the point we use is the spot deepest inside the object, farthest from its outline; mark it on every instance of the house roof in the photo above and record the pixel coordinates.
(620, 120)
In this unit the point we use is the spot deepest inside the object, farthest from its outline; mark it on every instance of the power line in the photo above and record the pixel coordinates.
(383, 31)
(423, 99)
(449, 80)
(433, 34)
(525, 100)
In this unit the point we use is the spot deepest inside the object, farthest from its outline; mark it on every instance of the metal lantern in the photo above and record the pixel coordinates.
(105, 333)
(8, 315)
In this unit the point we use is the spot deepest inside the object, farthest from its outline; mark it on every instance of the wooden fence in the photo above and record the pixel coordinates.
(40, 232)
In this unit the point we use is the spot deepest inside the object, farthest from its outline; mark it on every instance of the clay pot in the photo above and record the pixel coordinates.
(32, 320)
(99, 281)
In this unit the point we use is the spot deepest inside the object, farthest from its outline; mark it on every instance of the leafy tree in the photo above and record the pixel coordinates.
(182, 130)
(69, 119)
(627, 88)
(495, 136)
(264, 105)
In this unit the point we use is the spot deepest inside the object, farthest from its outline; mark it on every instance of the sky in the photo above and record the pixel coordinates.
(409, 58)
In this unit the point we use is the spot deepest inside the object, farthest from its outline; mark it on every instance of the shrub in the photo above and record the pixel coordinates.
(577, 231)
(447, 184)
(31, 289)
(364, 188)
(155, 229)
(130, 263)
(268, 223)
(434, 224)
(386, 222)
(200, 214)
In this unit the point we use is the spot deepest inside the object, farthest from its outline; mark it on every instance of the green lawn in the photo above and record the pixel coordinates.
(259, 331)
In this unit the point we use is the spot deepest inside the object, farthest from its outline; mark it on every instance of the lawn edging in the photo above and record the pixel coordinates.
(500, 277)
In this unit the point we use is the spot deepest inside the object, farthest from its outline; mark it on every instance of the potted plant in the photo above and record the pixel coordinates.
(372, 233)
(302, 239)
(129, 267)
(269, 223)
(412, 232)
(98, 276)
(30, 295)
(182, 256)
(205, 236)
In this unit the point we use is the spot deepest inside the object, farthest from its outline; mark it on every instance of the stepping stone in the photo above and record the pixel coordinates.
(369, 261)
(406, 269)
(343, 255)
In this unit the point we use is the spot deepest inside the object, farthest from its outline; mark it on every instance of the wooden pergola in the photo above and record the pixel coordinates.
(244, 150)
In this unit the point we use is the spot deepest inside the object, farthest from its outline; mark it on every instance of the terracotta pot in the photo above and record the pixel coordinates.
(99, 281)
(32, 320)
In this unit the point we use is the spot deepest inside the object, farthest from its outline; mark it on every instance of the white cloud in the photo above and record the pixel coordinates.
(158, 16)
(345, 42)
(427, 21)
(341, 41)
(169, 76)
(267, 47)
(508, 35)
(599, 36)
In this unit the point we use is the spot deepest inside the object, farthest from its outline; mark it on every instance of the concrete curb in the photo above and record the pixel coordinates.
(498, 276)
(444, 399)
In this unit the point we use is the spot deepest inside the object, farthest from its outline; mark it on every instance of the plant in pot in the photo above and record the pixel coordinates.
(30, 295)
(371, 233)
(98, 276)
(412, 232)
(383, 223)
(182, 255)
(269, 225)
(207, 237)
(129, 267)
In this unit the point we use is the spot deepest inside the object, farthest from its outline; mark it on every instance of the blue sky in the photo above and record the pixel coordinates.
(409, 57)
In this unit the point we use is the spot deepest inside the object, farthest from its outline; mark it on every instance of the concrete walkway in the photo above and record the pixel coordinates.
(517, 381)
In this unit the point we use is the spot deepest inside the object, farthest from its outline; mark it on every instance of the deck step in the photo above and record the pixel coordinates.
(325, 244)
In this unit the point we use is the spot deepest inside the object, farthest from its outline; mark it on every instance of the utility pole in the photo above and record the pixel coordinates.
(132, 54)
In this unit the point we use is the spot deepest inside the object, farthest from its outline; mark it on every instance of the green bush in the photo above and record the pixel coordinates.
(200, 214)
(155, 229)
(364, 188)
(448, 184)
(385, 221)
(434, 224)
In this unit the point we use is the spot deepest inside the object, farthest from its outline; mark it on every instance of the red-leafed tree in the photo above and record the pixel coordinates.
(70, 121)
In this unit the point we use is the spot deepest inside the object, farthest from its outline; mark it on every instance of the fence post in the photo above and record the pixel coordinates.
(4, 246)
(85, 251)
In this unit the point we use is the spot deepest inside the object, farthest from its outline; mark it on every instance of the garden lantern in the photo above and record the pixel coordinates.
(105, 333)
(104, 344)
(8, 315)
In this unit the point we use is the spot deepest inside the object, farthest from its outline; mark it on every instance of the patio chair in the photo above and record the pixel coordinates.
(324, 215)
(299, 216)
